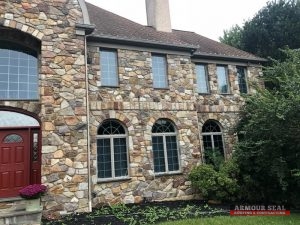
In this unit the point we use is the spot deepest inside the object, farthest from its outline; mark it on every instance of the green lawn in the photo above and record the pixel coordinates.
(294, 219)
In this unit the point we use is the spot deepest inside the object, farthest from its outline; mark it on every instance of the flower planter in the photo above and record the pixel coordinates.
(33, 205)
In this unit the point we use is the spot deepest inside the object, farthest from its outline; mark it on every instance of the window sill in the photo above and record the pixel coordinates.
(225, 93)
(110, 180)
(27, 100)
(204, 93)
(168, 174)
(107, 86)
(162, 88)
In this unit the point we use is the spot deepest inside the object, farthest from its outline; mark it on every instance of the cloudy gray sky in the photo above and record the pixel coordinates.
(206, 17)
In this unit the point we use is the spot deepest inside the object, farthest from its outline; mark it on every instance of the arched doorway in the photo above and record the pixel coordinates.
(20, 161)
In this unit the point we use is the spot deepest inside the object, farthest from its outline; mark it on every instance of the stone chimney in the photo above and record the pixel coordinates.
(158, 15)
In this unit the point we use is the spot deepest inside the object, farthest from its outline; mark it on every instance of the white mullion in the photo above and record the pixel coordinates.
(112, 157)
(9, 66)
(212, 141)
(165, 152)
(127, 153)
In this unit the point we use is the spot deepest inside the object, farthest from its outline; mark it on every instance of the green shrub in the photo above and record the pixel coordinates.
(216, 184)
(214, 157)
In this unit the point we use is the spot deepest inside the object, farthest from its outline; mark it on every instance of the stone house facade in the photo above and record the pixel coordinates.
(105, 110)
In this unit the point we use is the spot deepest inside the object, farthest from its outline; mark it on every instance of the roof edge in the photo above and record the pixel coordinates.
(235, 58)
(114, 40)
(85, 13)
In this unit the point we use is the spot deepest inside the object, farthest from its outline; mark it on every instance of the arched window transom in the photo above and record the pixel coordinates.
(165, 147)
(18, 72)
(12, 138)
(112, 156)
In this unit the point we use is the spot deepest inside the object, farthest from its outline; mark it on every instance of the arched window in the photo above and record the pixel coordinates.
(165, 148)
(212, 141)
(112, 157)
(13, 138)
(18, 72)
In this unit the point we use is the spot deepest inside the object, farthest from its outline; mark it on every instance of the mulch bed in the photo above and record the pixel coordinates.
(144, 213)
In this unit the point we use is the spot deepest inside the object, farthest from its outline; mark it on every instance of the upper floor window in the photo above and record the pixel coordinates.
(212, 142)
(223, 82)
(159, 70)
(112, 157)
(109, 68)
(242, 78)
(18, 72)
(202, 79)
(164, 146)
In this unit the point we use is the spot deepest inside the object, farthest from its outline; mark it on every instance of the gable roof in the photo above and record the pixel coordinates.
(113, 28)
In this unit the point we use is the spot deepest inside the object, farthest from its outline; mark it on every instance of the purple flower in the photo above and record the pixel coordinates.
(33, 191)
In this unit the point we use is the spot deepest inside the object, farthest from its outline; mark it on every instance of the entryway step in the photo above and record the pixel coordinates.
(12, 212)
(12, 204)
(21, 218)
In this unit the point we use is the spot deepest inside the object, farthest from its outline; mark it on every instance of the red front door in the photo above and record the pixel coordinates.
(14, 161)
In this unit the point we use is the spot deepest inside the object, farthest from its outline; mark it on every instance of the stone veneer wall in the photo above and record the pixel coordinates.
(137, 106)
(62, 103)
(62, 110)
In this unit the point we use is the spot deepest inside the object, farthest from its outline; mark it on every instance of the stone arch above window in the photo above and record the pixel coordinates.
(15, 119)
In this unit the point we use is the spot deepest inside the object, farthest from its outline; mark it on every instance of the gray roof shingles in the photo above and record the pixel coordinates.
(113, 27)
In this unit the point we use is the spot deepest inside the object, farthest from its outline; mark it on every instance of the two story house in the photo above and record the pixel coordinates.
(104, 110)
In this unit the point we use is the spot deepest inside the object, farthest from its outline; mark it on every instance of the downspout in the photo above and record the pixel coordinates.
(84, 30)
(201, 151)
(88, 127)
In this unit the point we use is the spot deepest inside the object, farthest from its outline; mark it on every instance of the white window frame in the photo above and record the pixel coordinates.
(115, 74)
(245, 78)
(30, 88)
(111, 138)
(155, 77)
(211, 135)
(205, 79)
(164, 135)
(226, 79)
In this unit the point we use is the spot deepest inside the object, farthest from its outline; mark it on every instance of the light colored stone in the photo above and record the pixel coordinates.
(58, 154)
(49, 149)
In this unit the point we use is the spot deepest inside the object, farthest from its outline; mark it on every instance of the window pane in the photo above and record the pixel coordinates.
(109, 68)
(158, 154)
(202, 81)
(15, 64)
(104, 158)
(222, 79)
(120, 155)
(207, 142)
(172, 151)
(13, 138)
(241, 73)
(212, 143)
(159, 70)
(218, 143)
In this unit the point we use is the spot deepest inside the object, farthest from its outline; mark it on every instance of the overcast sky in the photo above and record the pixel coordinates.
(206, 17)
